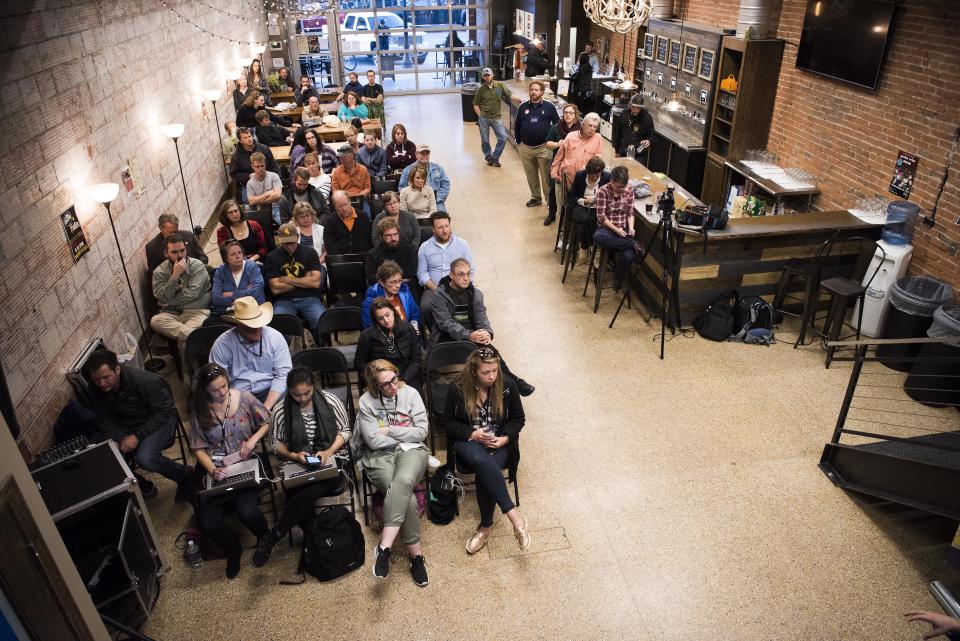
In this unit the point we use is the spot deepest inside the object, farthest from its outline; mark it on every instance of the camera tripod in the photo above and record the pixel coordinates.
(664, 231)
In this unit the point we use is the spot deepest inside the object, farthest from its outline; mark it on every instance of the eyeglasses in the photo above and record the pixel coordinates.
(393, 381)
(394, 281)
(460, 274)
(486, 353)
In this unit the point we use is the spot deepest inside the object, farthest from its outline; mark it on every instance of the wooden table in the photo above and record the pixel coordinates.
(281, 96)
(293, 113)
(337, 134)
(281, 154)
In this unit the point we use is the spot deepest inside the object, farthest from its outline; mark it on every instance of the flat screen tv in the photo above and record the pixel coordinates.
(846, 39)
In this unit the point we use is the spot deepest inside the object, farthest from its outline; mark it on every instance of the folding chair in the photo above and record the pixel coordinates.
(330, 365)
(460, 468)
(263, 217)
(443, 362)
(292, 329)
(382, 185)
(197, 350)
(336, 320)
(347, 280)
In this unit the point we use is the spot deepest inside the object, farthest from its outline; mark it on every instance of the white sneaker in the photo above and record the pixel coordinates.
(433, 463)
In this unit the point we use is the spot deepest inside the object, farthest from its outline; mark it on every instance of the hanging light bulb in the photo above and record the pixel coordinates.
(673, 104)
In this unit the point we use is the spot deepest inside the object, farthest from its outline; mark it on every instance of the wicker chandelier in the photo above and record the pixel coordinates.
(620, 16)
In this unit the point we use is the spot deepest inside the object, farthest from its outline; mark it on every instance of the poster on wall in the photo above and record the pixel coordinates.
(74, 232)
(903, 174)
(131, 178)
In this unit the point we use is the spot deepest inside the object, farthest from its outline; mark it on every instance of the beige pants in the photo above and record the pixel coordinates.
(179, 326)
(536, 163)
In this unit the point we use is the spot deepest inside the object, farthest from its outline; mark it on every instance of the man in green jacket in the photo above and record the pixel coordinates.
(486, 104)
(181, 285)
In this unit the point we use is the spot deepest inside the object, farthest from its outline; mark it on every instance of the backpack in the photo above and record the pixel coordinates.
(333, 545)
(716, 322)
(442, 504)
(753, 320)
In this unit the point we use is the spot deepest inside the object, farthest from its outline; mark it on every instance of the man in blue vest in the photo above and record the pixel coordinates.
(534, 119)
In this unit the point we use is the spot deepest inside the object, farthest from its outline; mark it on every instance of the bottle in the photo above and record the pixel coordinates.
(631, 151)
(194, 558)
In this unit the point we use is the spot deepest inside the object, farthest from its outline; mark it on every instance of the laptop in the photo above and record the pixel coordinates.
(240, 476)
(295, 475)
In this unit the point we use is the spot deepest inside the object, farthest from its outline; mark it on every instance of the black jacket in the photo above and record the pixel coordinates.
(404, 255)
(155, 249)
(340, 240)
(445, 327)
(240, 167)
(247, 116)
(143, 405)
(314, 197)
(300, 98)
(459, 426)
(537, 63)
(371, 347)
(632, 129)
(272, 135)
(579, 185)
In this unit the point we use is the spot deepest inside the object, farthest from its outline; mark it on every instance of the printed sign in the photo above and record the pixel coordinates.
(74, 232)
(903, 174)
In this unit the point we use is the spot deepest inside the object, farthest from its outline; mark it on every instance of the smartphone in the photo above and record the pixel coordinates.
(314, 460)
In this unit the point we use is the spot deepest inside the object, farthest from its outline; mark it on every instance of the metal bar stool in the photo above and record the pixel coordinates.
(598, 272)
(809, 270)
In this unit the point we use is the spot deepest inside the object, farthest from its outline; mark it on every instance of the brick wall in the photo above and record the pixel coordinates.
(850, 137)
(86, 87)
(623, 47)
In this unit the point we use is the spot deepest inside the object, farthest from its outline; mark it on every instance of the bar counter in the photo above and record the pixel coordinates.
(746, 256)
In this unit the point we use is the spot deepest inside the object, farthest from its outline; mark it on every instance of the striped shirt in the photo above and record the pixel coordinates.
(279, 426)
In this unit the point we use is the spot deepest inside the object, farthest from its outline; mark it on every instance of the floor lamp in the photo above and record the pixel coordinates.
(212, 96)
(106, 193)
(173, 131)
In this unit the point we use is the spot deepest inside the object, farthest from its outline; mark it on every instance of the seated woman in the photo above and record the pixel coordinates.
(235, 278)
(247, 113)
(389, 440)
(307, 141)
(391, 287)
(312, 114)
(234, 224)
(409, 227)
(306, 422)
(389, 339)
(418, 197)
(311, 232)
(352, 108)
(400, 152)
(484, 416)
(225, 422)
(318, 179)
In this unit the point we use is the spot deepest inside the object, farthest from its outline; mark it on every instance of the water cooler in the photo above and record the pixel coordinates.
(878, 293)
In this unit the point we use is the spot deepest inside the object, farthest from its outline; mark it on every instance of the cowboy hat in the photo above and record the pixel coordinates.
(247, 312)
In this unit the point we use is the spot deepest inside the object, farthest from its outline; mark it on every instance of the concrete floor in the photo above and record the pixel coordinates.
(675, 499)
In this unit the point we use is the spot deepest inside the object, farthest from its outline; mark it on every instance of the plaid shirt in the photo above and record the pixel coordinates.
(615, 208)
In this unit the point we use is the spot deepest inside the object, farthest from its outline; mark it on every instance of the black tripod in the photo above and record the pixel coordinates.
(664, 230)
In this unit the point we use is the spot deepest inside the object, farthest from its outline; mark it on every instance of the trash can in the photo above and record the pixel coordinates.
(913, 300)
(934, 380)
(467, 92)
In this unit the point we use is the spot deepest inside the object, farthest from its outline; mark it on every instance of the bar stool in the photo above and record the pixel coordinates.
(598, 272)
(809, 270)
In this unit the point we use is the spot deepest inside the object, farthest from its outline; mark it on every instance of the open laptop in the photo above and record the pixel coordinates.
(240, 476)
(294, 474)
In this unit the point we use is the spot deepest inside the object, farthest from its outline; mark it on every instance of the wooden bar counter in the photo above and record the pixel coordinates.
(746, 256)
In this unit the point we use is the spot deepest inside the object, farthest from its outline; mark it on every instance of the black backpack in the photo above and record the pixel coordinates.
(333, 545)
(716, 322)
(442, 502)
(752, 312)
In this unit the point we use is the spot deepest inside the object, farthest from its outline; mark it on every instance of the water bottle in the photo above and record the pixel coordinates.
(193, 554)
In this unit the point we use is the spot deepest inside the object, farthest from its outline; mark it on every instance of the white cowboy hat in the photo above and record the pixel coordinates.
(247, 312)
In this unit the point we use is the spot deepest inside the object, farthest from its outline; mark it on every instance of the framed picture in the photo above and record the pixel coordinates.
(705, 68)
(649, 45)
(276, 45)
(674, 60)
(662, 50)
(689, 61)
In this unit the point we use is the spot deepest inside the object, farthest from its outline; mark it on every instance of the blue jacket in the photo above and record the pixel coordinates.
(534, 120)
(251, 284)
(406, 298)
(375, 161)
(436, 178)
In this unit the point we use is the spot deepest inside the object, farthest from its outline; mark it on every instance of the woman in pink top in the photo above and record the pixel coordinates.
(575, 150)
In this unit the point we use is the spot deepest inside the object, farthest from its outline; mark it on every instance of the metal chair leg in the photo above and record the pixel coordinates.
(600, 274)
(590, 268)
(810, 298)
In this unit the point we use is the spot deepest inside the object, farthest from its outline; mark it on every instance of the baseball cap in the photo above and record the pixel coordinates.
(425, 148)
(288, 233)
(487, 71)
(636, 100)
(344, 149)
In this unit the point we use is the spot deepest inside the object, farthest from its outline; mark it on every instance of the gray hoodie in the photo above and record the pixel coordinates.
(381, 425)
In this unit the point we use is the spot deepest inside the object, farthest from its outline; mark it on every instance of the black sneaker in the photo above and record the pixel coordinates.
(381, 567)
(264, 547)
(148, 488)
(494, 162)
(534, 202)
(525, 388)
(184, 487)
(549, 220)
(418, 571)
(233, 566)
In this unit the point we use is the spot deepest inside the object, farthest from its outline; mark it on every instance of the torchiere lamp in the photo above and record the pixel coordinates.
(173, 131)
(212, 95)
(106, 193)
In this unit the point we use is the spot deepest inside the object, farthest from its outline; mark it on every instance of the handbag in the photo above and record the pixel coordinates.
(729, 84)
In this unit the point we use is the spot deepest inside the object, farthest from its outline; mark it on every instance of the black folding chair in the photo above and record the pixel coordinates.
(443, 363)
(346, 280)
(331, 366)
(263, 216)
(292, 329)
(336, 320)
(198, 346)
(382, 185)
(460, 468)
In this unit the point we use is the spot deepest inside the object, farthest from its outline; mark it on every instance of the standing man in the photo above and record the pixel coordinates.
(537, 63)
(635, 127)
(182, 287)
(615, 223)
(534, 119)
(486, 104)
(241, 167)
(372, 91)
(592, 56)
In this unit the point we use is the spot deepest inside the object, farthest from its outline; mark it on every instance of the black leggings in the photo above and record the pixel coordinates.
(247, 506)
(301, 503)
(488, 467)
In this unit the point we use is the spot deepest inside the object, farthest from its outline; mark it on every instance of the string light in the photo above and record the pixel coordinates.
(210, 33)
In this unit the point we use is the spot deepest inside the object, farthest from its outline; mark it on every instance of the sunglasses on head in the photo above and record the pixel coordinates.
(214, 372)
(486, 353)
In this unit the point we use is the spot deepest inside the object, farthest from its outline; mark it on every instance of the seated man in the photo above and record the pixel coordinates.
(293, 274)
(135, 408)
(435, 257)
(181, 286)
(241, 167)
(615, 222)
(156, 249)
(301, 191)
(344, 232)
(460, 315)
(256, 356)
(582, 198)
(390, 248)
(271, 134)
(352, 177)
(436, 176)
(305, 91)
(264, 187)
(372, 156)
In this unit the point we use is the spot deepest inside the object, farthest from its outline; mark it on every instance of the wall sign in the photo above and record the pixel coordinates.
(649, 44)
(662, 46)
(674, 60)
(689, 63)
(904, 171)
(705, 69)
(673, 83)
(703, 96)
(74, 232)
(647, 72)
(659, 78)
(686, 89)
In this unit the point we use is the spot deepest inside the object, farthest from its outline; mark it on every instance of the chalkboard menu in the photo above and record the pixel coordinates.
(689, 58)
(662, 45)
(674, 54)
(649, 43)
(498, 36)
(705, 70)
